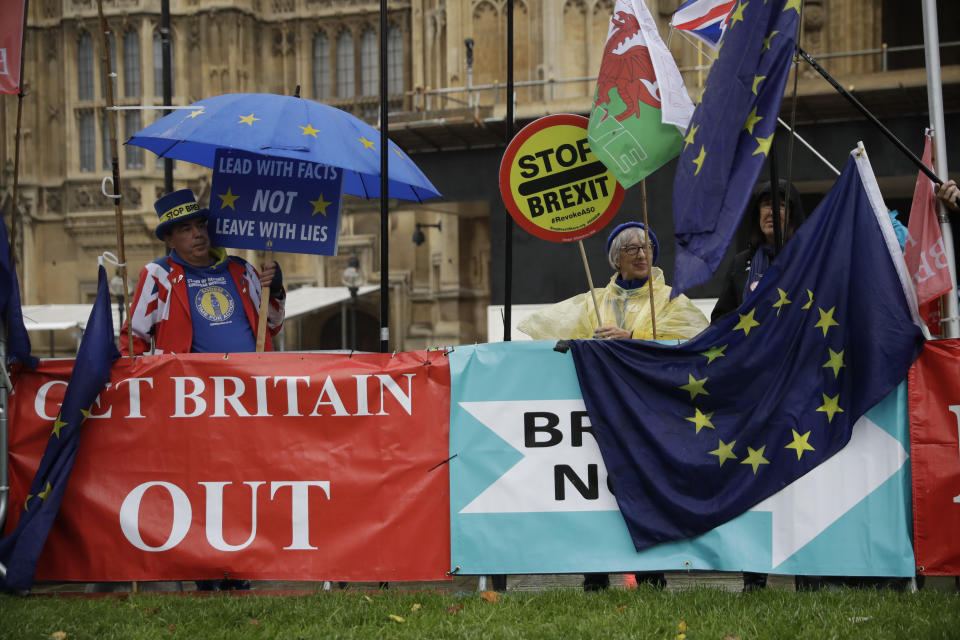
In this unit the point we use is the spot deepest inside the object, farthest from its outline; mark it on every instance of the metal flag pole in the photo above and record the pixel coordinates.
(384, 186)
(167, 71)
(950, 320)
(108, 80)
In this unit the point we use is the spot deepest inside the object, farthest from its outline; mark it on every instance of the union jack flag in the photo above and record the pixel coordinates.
(703, 19)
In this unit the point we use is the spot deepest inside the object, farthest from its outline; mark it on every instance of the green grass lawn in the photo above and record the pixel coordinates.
(556, 613)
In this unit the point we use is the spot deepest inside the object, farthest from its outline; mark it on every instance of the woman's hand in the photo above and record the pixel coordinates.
(615, 333)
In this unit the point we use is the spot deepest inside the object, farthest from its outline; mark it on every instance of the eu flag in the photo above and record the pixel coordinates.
(20, 551)
(18, 341)
(730, 134)
(692, 435)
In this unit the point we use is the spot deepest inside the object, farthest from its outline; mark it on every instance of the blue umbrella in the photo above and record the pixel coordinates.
(286, 127)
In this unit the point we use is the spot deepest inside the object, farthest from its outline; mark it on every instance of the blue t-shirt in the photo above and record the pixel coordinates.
(216, 310)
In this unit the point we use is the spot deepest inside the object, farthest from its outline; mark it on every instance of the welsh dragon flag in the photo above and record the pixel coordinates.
(641, 106)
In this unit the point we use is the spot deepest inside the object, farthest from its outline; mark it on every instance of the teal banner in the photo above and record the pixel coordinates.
(529, 490)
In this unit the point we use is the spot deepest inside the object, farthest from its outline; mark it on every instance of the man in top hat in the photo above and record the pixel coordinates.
(197, 298)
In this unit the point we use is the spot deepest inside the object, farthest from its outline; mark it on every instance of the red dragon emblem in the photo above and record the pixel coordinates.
(630, 72)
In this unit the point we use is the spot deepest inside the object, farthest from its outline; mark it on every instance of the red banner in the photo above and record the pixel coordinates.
(11, 42)
(935, 457)
(260, 466)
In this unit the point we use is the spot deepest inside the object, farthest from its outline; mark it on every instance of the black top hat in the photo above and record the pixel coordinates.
(175, 207)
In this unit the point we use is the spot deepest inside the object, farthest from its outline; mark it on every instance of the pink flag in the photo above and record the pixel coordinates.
(924, 251)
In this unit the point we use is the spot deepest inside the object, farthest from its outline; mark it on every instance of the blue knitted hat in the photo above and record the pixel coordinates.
(175, 207)
(655, 245)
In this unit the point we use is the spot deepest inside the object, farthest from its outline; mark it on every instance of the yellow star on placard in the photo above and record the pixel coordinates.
(57, 425)
(826, 320)
(756, 81)
(713, 353)
(792, 4)
(755, 458)
(737, 15)
(830, 406)
(688, 140)
(724, 452)
(695, 387)
(800, 443)
(752, 120)
(783, 301)
(43, 495)
(699, 160)
(196, 112)
(763, 145)
(319, 205)
(809, 300)
(746, 322)
(701, 419)
(227, 199)
(835, 362)
(766, 41)
(247, 119)
(366, 143)
(310, 131)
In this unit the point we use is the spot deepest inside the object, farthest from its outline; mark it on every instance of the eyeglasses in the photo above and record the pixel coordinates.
(632, 250)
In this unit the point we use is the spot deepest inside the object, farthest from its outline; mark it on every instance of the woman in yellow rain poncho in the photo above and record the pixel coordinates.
(624, 303)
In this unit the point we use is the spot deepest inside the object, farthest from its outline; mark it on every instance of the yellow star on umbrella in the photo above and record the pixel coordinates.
(701, 419)
(800, 443)
(752, 119)
(366, 143)
(688, 140)
(319, 205)
(746, 322)
(826, 320)
(830, 406)
(227, 199)
(713, 353)
(196, 112)
(755, 458)
(783, 301)
(247, 119)
(724, 452)
(57, 425)
(699, 160)
(695, 387)
(835, 362)
(310, 131)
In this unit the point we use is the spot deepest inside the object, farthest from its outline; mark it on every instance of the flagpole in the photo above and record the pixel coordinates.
(586, 267)
(115, 166)
(16, 153)
(950, 322)
(384, 191)
(508, 221)
(648, 251)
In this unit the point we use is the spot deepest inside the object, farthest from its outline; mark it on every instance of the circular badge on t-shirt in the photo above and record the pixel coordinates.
(214, 303)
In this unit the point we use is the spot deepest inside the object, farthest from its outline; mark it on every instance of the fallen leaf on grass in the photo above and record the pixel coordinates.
(368, 598)
(396, 618)
(415, 606)
(682, 626)
(490, 596)
(621, 608)
(681, 636)
(171, 627)
(254, 622)
(58, 635)
(455, 609)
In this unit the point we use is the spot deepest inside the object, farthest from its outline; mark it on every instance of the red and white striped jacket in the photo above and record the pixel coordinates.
(161, 309)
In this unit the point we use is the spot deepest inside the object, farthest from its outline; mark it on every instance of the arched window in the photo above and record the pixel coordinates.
(85, 68)
(321, 66)
(369, 64)
(345, 85)
(87, 135)
(131, 64)
(105, 139)
(158, 65)
(395, 79)
(113, 68)
(131, 125)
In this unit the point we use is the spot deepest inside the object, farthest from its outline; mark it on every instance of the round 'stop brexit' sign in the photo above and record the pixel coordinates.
(553, 185)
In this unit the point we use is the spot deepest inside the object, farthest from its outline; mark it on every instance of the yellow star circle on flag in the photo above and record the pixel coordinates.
(737, 15)
(826, 320)
(752, 119)
(783, 301)
(227, 199)
(701, 419)
(756, 81)
(835, 362)
(695, 387)
(746, 322)
(830, 406)
(755, 458)
(247, 119)
(763, 145)
(809, 300)
(57, 425)
(319, 205)
(43, 495)
(792, 4)
(699, 160)
(766, 41)
(800, 443)
(713, 353)
(724, 452)
(688, 140)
